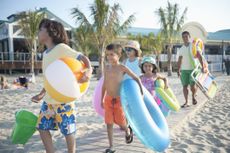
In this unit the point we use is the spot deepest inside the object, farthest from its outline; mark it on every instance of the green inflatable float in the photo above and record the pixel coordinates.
(166, 96)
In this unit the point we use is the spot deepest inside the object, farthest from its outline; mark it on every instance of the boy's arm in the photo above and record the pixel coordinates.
(39, 97)
(43, 92)
(130, 73)
(103, 91)
(89, 70)
(103, 94)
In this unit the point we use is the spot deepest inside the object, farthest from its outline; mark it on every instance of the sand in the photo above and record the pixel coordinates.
(207, 132)
(13, 100)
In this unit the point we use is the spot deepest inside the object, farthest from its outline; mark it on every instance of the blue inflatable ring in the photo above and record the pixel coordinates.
(144, 116)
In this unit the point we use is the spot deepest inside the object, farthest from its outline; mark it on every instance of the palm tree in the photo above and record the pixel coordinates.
(82, 39)
(150, 44)
(158, 46)
(106, 24)
(29, 22)
(171, 24)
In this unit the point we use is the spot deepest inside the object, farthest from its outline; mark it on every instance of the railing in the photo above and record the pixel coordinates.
(215, 61)
(209, 58)
(18, 57)
(213, 58)
(215, 67)
(164, 57)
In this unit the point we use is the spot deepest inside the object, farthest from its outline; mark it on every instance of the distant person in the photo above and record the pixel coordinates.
(17, 55)
(21, 81)
(4, 83)
(185, 68)
(227, 65)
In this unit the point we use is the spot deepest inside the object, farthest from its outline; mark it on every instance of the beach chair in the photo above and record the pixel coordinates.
(205, 81)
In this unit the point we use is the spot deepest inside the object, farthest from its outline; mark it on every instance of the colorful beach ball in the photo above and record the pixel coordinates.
(197, 46)
(61, 80)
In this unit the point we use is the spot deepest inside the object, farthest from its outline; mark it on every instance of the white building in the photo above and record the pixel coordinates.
(13, 43)
(15, 56)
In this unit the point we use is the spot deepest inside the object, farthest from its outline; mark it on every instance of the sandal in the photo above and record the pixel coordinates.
(129, 138)
(110, 150)
(184, 105)
(194, 102)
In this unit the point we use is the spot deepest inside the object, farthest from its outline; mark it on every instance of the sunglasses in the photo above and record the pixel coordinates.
(128, 49)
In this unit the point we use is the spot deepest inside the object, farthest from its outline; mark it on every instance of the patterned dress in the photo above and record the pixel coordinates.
(149, 84)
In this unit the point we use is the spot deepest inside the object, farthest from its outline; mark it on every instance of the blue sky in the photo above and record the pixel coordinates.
(212, 14)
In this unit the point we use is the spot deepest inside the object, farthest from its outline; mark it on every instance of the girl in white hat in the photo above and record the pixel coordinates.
(133, 51)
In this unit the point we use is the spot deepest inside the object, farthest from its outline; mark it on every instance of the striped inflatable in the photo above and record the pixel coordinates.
(60, 80)
(166, 96)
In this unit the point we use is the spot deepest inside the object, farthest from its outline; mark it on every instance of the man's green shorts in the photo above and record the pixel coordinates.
(186, 78)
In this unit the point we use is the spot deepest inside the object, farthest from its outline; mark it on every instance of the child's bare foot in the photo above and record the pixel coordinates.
(129, 137)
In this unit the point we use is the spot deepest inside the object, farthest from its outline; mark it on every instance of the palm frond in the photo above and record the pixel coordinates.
(181, 20)
(29, 22)
(80, 17)
(126, 24)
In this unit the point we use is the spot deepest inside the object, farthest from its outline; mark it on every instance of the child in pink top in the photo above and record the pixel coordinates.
(149, 70)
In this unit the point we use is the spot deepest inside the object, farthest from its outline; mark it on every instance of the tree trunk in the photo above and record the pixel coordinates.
(101, 62)
(158, 61)
(169, 64)
(33, 53)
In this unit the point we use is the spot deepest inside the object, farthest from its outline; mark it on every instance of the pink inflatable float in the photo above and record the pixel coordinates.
(97, 98)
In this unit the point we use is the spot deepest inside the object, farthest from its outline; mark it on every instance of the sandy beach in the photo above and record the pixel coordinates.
(208, 131)
(13, 100)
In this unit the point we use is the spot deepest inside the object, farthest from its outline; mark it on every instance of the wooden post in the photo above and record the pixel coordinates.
(11, 42)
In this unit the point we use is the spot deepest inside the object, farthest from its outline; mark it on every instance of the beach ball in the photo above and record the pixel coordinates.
(61, 80)
(197, 46)
(159, 83)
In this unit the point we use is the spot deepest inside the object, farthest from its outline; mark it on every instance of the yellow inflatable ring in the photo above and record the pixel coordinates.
(166, 96)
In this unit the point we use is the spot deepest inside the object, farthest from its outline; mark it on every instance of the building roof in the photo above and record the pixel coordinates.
(142, 31)
(50, 15)
(219, 35)
(3, 21)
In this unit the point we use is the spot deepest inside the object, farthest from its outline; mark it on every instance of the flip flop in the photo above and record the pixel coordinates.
(129, 138)
(184, 105)
(109, 150)
(194, 102)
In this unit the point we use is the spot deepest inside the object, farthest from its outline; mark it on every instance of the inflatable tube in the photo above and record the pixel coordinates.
(61, 79)
(163, 108)
(197, 46)
(166, 96)
(144, 116)
(97, 98)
